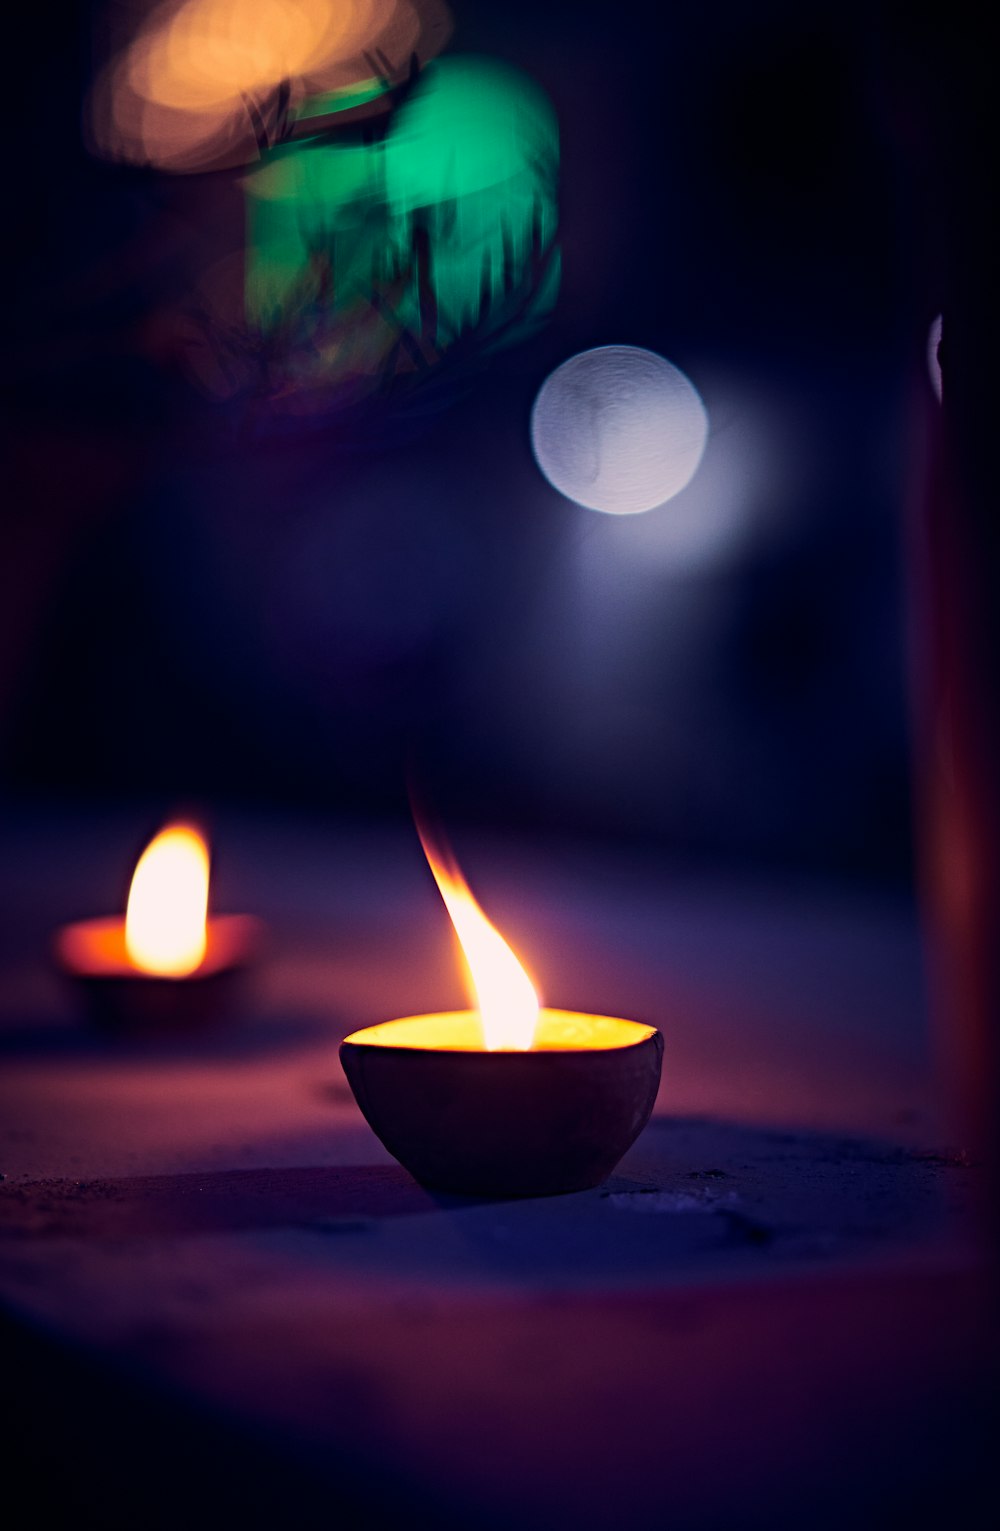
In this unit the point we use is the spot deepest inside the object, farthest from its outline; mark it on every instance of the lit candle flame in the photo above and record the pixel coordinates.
(504, 996)
(166, 918)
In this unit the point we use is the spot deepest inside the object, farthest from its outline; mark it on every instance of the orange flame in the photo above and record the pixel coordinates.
(501, 990)
(166, 919)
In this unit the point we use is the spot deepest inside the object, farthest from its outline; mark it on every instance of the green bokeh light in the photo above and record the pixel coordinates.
(380, 250)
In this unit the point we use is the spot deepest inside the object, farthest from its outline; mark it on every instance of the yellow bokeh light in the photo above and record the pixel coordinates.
(166, 918)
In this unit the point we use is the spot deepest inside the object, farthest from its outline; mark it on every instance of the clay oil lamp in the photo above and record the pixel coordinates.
(167, 965)
(507, 1098)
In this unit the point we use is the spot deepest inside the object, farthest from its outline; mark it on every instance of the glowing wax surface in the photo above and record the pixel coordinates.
(618, 429)
(461, 1031)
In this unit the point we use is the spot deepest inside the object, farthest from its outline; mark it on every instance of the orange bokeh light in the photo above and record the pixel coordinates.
(210, 51)
(191, 87)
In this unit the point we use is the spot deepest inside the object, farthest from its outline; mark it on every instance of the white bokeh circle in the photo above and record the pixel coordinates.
(618, 429)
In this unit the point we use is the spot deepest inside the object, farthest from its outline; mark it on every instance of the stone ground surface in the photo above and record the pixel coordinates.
(216, 1281)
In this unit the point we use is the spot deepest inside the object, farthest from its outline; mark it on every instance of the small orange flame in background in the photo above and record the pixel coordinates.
(166, 918)
(502, 991)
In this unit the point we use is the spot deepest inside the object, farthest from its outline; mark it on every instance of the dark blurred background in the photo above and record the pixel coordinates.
(194, 606)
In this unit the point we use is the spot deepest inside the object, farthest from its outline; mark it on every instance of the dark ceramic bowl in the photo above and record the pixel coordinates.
(556, 1118)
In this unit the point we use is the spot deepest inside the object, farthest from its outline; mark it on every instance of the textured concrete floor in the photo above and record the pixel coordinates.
(772, 1313)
